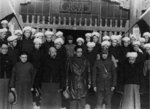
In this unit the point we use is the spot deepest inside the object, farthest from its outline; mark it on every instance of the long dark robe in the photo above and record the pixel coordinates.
(22, 81)
(5, 73)
(51, 83)
(78, 76)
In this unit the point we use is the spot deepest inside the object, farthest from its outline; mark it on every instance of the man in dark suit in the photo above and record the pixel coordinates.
(104, 80)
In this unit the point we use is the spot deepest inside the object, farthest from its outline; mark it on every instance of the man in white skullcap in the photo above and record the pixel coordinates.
(61, 51)
(136, 46)
(58, 43)
(80, 42)
(88, 37)
(40, 35)
(60, 34)
(105, 45)
(132, 37)
(131, 79)
(3, 37)
(13, 51)
(49, 35)
(48, 43)
(146, 35)
(19, 34)
(106, 38)
(36, 58)
(4, 23)
(27, 42)
(142, 42)
(95, 37)
(91, 56)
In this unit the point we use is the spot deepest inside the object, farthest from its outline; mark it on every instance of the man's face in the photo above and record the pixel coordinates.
(126, 44)
(52, 52)
(146, 39)
(23, 58)
(95, 39)
(27, 34)
(4, 25)
(37, 45)
(104, 56)
(53, 38)
(4, 49)
(3, 35)
(132, 60)
(136, 47)
(114, 43)
(79, 52)
(90, 49)
(58, 45)
(79, 43)
(48, 38)
(88, 39)
(19, 36)
(14, 43)
(70, 41)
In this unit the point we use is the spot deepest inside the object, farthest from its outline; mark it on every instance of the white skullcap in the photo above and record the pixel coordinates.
(37, 40)
(132, 36)
(106, 43)
(147, 46)
(114, 37)
(136, 43)
(88, 35)
(106, 38)
(59, 34)
(119, 37)
(96, 34)
(80, 39)
(12, 38)
(126, 39)
(27, 28)
(59, 40)
(39, 35)
(91, 44)
(142, 40)
(3, 30)
(18, 31)
(146, 34)
(132, 55)
(49, 33)
(4, 22)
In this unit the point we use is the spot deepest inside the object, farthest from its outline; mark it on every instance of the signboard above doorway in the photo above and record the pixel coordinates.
(76, 6)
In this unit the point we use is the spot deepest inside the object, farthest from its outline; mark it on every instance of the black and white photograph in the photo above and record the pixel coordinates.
(74, 54)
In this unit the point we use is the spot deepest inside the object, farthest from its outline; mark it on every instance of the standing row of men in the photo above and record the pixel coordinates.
(34, 60)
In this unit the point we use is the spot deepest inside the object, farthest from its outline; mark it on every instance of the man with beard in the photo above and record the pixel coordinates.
(51, 79)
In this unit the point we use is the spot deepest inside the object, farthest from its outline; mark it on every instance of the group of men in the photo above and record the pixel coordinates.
(33, 61)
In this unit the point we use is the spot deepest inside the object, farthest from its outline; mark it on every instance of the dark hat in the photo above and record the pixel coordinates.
(69, 37)
(12, 97)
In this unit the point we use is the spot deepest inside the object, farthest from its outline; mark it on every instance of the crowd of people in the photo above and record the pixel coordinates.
(33, 63)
